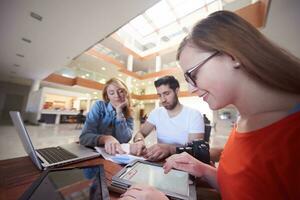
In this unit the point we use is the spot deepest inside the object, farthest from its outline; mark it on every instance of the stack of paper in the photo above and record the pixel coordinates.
(119, 158)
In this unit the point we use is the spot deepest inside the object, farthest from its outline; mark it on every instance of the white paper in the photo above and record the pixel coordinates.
(119, 158)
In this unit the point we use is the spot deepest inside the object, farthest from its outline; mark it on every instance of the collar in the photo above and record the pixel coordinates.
(295, 109)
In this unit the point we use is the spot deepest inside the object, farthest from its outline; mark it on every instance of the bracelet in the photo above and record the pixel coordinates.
(138, 139)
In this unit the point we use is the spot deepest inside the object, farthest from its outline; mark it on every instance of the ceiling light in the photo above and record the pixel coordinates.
(87, 75)
(95, 92)
(83, 76)
(36, 16)
(20, 55)
(103, 68)
(143, 83)
(26, 40)
(120, 75)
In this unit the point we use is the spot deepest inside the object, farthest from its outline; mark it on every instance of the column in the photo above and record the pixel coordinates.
(157, 63)
(130, 63)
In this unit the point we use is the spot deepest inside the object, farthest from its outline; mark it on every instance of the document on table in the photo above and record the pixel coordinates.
(119, 158)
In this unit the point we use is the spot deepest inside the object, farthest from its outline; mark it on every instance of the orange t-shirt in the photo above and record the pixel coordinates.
(262, 164)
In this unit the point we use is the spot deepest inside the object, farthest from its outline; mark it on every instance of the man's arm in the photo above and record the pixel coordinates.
(138, 146)
(144, 131)
(195, 136)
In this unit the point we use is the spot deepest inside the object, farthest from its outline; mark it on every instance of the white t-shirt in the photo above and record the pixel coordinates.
(175, 130)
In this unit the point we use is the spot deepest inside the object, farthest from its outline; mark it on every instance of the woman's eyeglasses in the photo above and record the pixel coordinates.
(187, 74)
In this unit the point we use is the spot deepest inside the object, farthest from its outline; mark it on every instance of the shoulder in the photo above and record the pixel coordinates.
(99, 105)
(157, 111)
(191, 111)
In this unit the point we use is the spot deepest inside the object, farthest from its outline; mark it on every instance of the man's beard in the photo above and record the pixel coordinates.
(173, 105)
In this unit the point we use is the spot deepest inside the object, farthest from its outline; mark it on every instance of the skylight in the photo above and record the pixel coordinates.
(164, 24)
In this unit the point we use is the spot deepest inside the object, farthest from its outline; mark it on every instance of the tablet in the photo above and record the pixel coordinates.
(175, 184)
(69, 183)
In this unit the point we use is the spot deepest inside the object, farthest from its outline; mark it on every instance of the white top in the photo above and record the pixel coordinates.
(175, 130)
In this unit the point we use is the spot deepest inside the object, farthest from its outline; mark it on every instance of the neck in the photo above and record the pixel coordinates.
(260, 106)
(175, 111)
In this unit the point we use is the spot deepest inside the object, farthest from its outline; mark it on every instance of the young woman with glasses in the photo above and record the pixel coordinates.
(228, 61)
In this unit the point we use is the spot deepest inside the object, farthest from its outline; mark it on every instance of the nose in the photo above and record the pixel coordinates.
(162, 99)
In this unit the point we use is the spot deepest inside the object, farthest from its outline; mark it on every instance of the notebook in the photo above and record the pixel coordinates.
(50, 156)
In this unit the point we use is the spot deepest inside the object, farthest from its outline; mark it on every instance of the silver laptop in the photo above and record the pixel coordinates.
(51, 156)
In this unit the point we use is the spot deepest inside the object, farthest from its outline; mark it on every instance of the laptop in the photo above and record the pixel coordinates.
(50, 156)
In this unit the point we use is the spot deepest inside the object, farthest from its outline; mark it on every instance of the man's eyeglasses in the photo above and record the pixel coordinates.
(187, 74)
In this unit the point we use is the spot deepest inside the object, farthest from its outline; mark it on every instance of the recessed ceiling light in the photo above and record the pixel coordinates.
(87, 75)
(103, 68)
(26, 40)
(36, 16)
(120, 75)
(20, 55)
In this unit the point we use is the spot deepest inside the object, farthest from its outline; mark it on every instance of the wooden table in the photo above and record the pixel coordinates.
(17, 174)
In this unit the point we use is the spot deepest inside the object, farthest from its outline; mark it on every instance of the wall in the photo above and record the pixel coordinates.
(12, 97)
(283, 24)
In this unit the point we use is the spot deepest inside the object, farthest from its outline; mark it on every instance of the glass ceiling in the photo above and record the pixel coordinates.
(167, 22)
(164, 24)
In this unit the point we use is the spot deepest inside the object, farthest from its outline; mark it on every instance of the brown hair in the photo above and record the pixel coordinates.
(117, 82)
(228, 33)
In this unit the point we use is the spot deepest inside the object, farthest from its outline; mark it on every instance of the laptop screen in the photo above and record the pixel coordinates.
(25, 139)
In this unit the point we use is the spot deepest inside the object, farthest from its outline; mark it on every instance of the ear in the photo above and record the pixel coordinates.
(236, 63)
(177, 91)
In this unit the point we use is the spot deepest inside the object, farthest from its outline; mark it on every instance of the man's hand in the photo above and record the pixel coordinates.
(158, 151)
(112, 145)
(143, 192)
(137, 148)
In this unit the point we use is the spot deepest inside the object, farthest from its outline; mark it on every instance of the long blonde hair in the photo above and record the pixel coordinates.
(228, 33)
(117, 82)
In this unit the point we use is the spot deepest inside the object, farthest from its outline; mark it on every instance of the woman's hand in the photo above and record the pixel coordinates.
(112, 145)
(143, 192)
(119, 108)
(187, 163)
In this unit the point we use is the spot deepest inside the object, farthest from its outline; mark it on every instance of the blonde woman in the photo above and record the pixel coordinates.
(228, 61)
(109, 122)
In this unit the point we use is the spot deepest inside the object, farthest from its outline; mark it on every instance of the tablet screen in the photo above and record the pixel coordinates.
(175, 181)
(76, 183)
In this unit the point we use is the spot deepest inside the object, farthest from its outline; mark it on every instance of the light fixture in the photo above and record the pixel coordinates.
(26, 40)
(103, 68)
(36, 16)
(20, 55)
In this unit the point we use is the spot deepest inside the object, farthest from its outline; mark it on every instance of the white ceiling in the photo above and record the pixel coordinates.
(67, 29)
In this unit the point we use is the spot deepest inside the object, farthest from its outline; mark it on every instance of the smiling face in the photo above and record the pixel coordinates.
(216, 81)
(116, 94)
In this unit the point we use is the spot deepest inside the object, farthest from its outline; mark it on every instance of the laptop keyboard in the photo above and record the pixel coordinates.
(55, 154)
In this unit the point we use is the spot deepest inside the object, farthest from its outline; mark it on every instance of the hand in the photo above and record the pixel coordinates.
(137, 148)
(187, 163)
(122, 105)
(112, 145)
(157, 152)
(143, 192)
